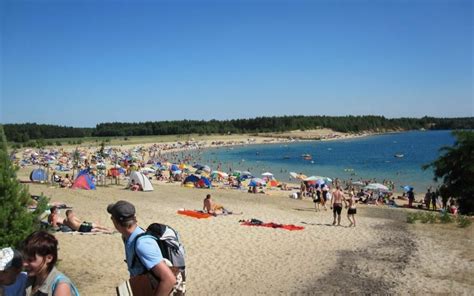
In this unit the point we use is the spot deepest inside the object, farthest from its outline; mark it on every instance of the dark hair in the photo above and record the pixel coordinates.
(53, 208)
(208, 195)
(17, 261)
(43, 244)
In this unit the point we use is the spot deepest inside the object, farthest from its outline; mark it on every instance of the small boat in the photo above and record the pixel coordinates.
(307, 156)
(286, 157)
(399, 155)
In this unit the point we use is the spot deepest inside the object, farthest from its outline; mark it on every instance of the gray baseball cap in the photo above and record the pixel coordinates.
(122, 210)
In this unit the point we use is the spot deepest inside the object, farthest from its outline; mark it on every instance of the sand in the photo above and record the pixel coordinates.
(382, 255)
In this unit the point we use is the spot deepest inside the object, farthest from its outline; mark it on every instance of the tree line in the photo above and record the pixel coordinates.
(22, 133)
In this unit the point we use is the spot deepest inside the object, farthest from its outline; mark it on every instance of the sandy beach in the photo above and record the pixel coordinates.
(383, 254)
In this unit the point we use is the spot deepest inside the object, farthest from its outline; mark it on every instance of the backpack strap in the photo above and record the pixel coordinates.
(135, 256)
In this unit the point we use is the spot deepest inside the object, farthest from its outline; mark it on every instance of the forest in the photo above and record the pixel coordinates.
(22, 133)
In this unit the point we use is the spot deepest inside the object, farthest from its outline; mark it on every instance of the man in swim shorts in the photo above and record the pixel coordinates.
(77, 225)
(336, 205)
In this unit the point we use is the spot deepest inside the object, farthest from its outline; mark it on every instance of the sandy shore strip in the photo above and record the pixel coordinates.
(383, 254)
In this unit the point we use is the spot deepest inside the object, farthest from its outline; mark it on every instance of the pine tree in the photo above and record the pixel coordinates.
(16, 221)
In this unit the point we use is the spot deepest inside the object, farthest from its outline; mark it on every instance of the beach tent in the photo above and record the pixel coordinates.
(203, 183)
(191, 179)
(141, 179)
(38, 175)
(198, 181)
(83, 181)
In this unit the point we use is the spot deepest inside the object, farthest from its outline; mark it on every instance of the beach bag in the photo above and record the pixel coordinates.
(172, 249)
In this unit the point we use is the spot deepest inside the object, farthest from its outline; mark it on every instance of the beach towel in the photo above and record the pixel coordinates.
(194, 214)
(290, 227)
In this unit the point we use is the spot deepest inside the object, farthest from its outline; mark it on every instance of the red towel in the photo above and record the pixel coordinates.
(275, 225)
(194, 214)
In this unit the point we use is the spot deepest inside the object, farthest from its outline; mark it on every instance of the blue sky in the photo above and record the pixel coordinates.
(79, 63)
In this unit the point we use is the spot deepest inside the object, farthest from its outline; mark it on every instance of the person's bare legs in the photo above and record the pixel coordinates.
(338, 220)
(349, 218)
(99, 228)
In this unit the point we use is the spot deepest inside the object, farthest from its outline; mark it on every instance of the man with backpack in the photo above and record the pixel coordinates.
(150, 265)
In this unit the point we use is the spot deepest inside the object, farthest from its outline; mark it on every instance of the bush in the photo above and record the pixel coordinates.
(412, 217)
(445, 217)
(428, 218)
(463, 221)
(58, 143)
(125, 139)
(16, 221)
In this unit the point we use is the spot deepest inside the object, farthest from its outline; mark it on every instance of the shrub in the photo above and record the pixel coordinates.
(58, 143)
(428, 218)
(16, 222)
(412, 217)
(463, 221)
(445, 217)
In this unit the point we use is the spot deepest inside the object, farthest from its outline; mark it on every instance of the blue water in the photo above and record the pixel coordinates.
(362, 158)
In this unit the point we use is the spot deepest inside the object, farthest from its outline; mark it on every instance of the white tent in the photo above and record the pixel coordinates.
(141, 179)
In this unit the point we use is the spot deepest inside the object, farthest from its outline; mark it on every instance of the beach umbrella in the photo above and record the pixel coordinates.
(257, 182)
(198, 166)
(246, 173)
(236, 173)
(293, 174)
(267, 174)
(177, 172)
(206, 168)
(174, 168)
(147, 171)
(357, 183)
(407, 187)
(376, 186)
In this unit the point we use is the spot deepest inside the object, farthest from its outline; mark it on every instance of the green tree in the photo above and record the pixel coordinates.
(455, 167)
(16, 221)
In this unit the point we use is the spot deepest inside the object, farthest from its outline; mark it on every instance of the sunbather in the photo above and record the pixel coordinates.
(213, 208)
(75, 224)
(53, 218)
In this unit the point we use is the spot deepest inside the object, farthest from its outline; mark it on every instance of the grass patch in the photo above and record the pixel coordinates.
(463, 221)
(436, 217)
(412, 217)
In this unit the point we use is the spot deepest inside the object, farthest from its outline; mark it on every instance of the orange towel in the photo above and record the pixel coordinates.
(194, 214)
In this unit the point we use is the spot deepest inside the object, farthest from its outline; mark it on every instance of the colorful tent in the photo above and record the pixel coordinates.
(83, 181)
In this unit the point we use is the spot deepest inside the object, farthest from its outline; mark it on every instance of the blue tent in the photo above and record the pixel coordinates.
(38, 175)
(191, 179)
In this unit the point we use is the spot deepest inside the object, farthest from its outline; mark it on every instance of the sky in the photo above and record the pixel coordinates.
(80, 63)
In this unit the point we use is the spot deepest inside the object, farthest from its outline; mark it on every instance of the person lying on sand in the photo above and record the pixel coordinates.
(53, 218)
(75, 224)
(214, 208)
